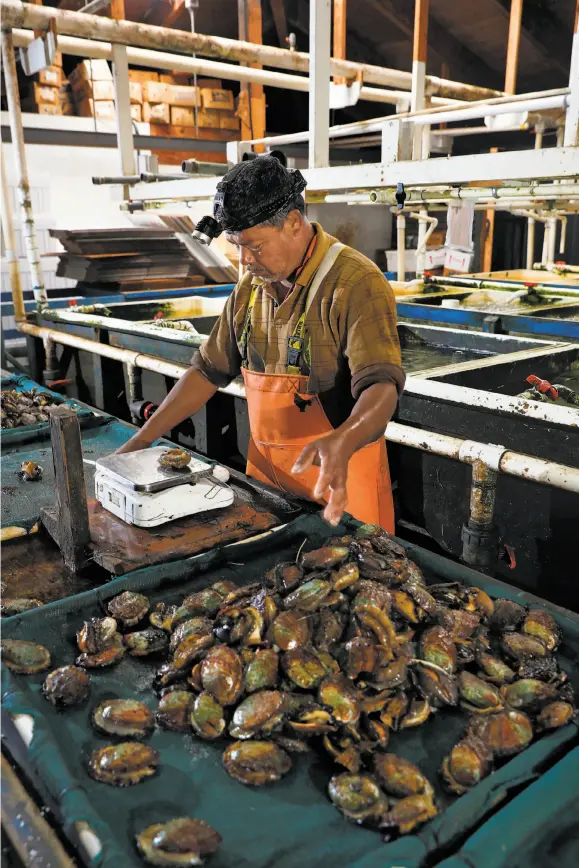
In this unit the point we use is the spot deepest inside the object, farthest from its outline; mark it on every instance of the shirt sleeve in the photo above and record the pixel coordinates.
(371, 337)
(219, 359)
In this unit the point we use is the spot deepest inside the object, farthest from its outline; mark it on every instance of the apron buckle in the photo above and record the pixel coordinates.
(295, 346)
(301, 403)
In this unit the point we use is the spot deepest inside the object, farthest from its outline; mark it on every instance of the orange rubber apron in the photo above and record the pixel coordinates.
(284, 418)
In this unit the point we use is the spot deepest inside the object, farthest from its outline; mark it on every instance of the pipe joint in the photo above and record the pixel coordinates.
(489, 454)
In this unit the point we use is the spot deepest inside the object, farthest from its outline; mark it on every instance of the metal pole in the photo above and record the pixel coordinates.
(17, 14)
(319, 104)
(531, 221)
(17, 135)
(401, 246)
(10, 246)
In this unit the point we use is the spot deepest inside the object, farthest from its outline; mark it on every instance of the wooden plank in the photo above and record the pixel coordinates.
(513, 44)
(420, 43)
(68, 523)
(251, 30)
(175, 158)
(173, 131)
(120, 548)
(340, 35)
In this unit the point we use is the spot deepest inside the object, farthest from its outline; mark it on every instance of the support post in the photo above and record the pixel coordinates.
(513, 43)
(419, 51)
(571, 139)
(487, 235)
(340, 36)
(17, 135)
(480, 540)
(539, 130)
(319, 110)
(251, 95)
(10, 246)
(401, 246)
(125, 141)
(68, 522)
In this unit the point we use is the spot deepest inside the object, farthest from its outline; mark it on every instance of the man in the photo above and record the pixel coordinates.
(311, 326)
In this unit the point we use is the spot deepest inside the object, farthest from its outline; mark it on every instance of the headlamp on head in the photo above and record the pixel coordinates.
(282, 189)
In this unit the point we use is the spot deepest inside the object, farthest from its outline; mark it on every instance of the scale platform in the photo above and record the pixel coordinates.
(136, 489)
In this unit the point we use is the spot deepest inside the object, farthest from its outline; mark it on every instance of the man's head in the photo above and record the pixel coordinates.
(261, 209)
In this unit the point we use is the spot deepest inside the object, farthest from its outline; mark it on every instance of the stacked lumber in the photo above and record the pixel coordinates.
(132, 257)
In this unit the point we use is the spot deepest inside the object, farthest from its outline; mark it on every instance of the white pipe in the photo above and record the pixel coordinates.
(210, 68)
(16, 14)
(480, 110)
(401, 246)
(511, 463)
(423, 218)
(467, 451)
(19, 151)
(563, 220)
(552, 238)
(10, 247)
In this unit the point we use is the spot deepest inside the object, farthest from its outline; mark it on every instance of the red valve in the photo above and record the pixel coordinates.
(530, 285)
(158, 315)
(148, 411)
(72, 302)
(543, 386)
(560, 262)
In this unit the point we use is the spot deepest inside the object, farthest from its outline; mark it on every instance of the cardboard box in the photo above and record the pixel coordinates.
(208, 118)
(182, 96)
(45, 94)
(136, 92)
(213, 98)
(51, 76)
(137, 112)
(90, 108)
(45, 108)
(211, 83)
(155, 91)
(97, 90)
(91, 70)
(182, 78)
(158, 113)
(228, 121)
(143, 75)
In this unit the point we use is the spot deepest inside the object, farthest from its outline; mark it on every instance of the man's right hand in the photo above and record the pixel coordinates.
(132, 445)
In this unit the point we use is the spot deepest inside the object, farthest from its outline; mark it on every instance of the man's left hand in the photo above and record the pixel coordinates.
(332, 454)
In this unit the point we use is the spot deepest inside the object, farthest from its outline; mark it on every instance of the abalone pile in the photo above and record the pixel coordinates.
(24, 408)
(338, 651)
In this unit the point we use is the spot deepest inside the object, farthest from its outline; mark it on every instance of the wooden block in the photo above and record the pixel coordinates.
(184, 117)
(52, 76)
(136, 92)
(45, 94)
(47, 108)
(92, 70)
(215, 98)
(143, 75)
(72, 528)
(180, 132)
(99, 90)
(57, 59)
(156, 114)
(208, 118)
(212, 83)
(90, 108)
(155, 91)
(228, 121)
(137, 112)
(181, 96)
(119, 547)
(175, 78)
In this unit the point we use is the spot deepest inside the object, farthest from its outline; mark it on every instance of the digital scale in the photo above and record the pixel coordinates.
(136, 489)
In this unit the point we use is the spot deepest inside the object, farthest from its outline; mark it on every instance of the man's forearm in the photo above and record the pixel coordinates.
(370, 416)
(186, 398)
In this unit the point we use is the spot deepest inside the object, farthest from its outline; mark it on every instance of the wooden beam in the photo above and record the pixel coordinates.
(279, 20)
(339, 50)
(68, 523)
(251, 30)
(420, 41)
(118, 10)
(513, 43)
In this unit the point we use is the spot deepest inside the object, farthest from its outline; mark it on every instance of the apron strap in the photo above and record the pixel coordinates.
(244, 338)
(296, 341)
